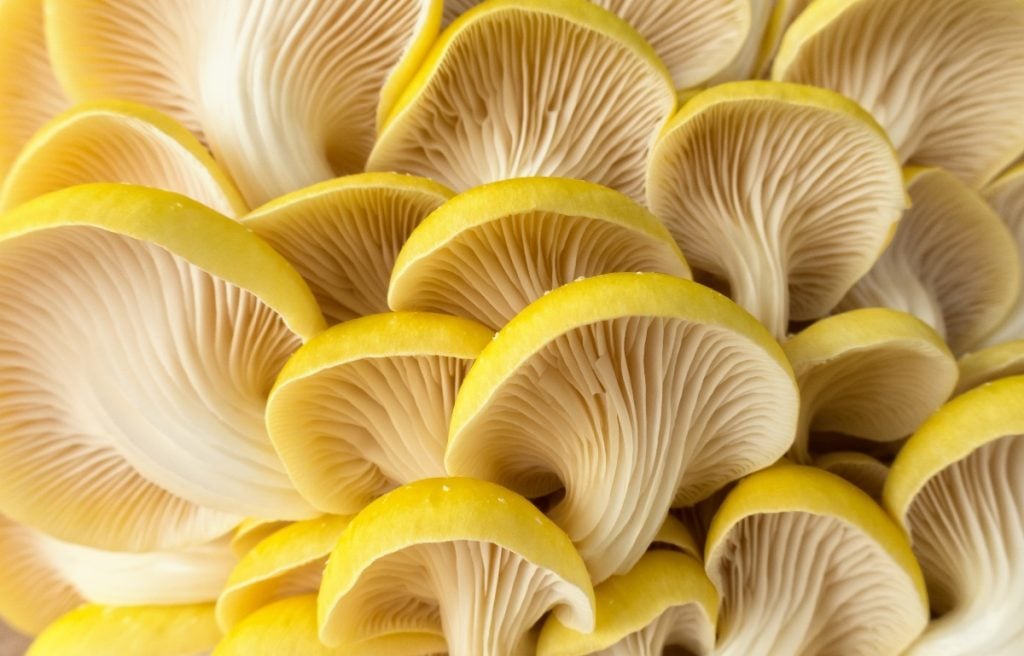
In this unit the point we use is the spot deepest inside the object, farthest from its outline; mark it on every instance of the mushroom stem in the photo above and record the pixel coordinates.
(759, 283)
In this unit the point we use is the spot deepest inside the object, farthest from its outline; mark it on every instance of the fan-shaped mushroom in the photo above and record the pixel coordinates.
(695, 38)
(252, 531)
(665, 600)
(1000, 361)
(114, 141)
(284, 92)
(480, 558)
(489, 252)
(43, 578)
(288, 628)
(875, 374)
(287, 563)
(519, 88)
(941, 76)
(806, 563)
(957, 487)
(29, 92)
(632, 391)
(365, 406)
(788, 193)
(343, 235)
(1006, 195)
(140, 334)
(130, 631)
(952, 262)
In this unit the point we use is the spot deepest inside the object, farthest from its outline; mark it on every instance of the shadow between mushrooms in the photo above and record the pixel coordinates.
(634, 392)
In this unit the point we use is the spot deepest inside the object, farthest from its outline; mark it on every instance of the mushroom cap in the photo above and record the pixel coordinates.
(399, 558)
(1006, 196)
(941, 76)
(807, 563)
(1000, 361)
(862, 470)
(597, 94)
(287, 563)
(288, 628)
(632, 391)
(674, 534)
(285, 93)
(365, 406)
(787, 192)
(783, 13)
(694, 38)
(957, 487)
(666, 599)
(116, 141)
(29, 92)
(130, 631)
(761, 25)
(952, 262)
(343, 235)
(874, 373)
(141, 334)
(491, 251)
(252, 531)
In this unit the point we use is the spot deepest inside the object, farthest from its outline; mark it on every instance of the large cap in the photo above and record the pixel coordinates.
(365, 406)
(43, 577)
(141, 334)
(806, 563)
(632, 391)
(113, 141)
(287, 563)
(130, 631)
(665, 601)
(491, 251)
(695, 38)
(284, 92)
(480, 558)
(595, 96)
(29, 92)
(343, 235)
(786, 192)
(288, 628)
(941, 76)
(1006, 195)
(875, 374)
(958, 488)
(952, 262)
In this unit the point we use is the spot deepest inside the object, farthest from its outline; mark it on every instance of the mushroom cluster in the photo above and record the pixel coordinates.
(512, 328)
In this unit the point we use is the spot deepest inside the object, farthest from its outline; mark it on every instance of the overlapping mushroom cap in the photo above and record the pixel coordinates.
(489, 252)
(287, 563)
(141, 333)
(874, 374)
(695, 38)
(958, 489)
(631, 391)
(1006, 195)
(343, 235)
(952, 263)
(520, 88)
(806, 563)
(480, 559)
(365, 406)
(866, 472)
(666, 600)
(943, 77)
(114, 141)
(130, 631)
(988, 364)
(29, 92)
(786, 192)
(285, 93)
